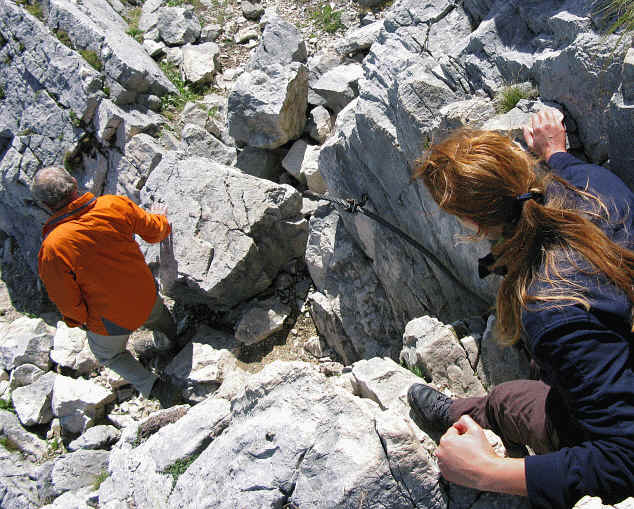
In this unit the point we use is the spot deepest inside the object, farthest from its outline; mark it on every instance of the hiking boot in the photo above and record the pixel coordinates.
(430, 407)
(167, 393)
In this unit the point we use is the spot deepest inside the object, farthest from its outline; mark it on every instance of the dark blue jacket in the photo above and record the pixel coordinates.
(587, 358)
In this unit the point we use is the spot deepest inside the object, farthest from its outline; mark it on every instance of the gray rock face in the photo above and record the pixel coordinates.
(199, 62)
(178, 25)
(282, 420)
(49, 84)
(97, 437)
(232, 232)
(338, 86)
(17, 489)
(201, 143)
(71, 350)
(359, 39)
(621, 122)
(78, 402)
(319, 124)
(261, 320)
(25, 341)
(434, 347)
(24, 374)
(95, 26)
(281, 43)
(71, 472)
(33, 402)
(259, 163)
(350, 307)
(204, 363)
(266, 110)
(18, 437)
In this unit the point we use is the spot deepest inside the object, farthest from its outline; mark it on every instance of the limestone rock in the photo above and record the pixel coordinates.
(349, 308)
(83, 498)
(338, 86)
(24, 374)
(252, 10)
(434, 347)
(266, 110)
(204, 362)
(17, 488)
(210, 33)
(319, 124)
(261, 320)
(97, 437)
(302, 161)
(359, 39)
(148, 19)
(71, 350)
(201, 143)
(25, 341)
(246, 34)
(178, 25)
(71, 472)
(33, 402)
(78, 402)
(282, 44)
(232, 232)
(18, 437)
(199, 62)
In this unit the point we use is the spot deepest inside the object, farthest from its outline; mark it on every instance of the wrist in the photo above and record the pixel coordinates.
(548, 154)
(504, 475)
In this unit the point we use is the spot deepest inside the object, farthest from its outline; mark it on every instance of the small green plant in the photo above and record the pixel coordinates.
(620, 12)
(54, 444)
(133, 20)
(8, 444)
(212, 111)
(509, 96)
(92, 58)
(103, 475)
(106, 90)
(418, 371)
(64, 38)
(136, 33)
(26, 132)
(179, 467)
(2, 94)
(174, 103)
(34, 8)
(7, 404)
(327, 18)
(74, 119)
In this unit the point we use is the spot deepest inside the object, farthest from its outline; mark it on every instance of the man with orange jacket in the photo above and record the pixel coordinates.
(95, 273)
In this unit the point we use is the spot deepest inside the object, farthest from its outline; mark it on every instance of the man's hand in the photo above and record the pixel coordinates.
(546, 134)
(168, 266)
(157, 208)
(465, 457)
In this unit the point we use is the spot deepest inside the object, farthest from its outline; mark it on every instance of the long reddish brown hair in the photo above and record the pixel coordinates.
(476, 175)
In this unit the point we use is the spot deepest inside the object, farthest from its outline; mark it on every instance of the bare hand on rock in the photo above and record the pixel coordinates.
(546, 134)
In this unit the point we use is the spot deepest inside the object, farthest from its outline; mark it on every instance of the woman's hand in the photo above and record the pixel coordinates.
(546, 134)
(157, 208)
(465, 457)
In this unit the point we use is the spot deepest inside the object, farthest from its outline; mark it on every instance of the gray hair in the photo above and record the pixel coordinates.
(53, 186)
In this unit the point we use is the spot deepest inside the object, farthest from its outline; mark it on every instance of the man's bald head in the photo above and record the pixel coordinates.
(54, 187)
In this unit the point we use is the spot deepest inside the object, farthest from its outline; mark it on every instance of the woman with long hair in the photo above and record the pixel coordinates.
(564, 245)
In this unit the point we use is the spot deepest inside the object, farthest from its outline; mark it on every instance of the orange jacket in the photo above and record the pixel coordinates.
(93, 268)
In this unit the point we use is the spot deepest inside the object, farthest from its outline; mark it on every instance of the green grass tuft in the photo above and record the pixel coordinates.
(418, 371)
(620, 13)
(509, 96)
(2, 94)
(92, 58)
(328, 19)
(179, 467)
(172, 104)
(34, 8)
(7, 404)
(63, 38)
(133, 21)
(99, 479)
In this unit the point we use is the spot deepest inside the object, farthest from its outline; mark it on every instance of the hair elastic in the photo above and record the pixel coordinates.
(531, 195)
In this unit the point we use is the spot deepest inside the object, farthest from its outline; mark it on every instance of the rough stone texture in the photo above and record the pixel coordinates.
(78, 402)
(434, 347)
(95, 26)
(261, 320)
(359, 39)
(98, 437)
(266, 110)
(281, 44)
(83, 498)
(621, 122)
(18, 437)
(252, 10)
(232, 232)
(210, 113)
(310, 170)
(350, 307)
(201, 143)
(199, 62)
(260, 163)
(178, 25)
(204, 363)
(319, 124)
(70, 472)
(293, 161)
(211, 32)
(294, 453)
(24, 374)
(137, 472)
(17, 488)
(25, 341)
(338, 86)
(33, 402)
(71, 350)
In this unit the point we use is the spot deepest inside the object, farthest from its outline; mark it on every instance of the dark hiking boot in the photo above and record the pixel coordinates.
(430, 407)
(167, 393)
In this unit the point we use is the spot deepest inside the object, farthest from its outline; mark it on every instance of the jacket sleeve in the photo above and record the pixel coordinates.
(151, 227)
(592, 367)
(62, 288)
